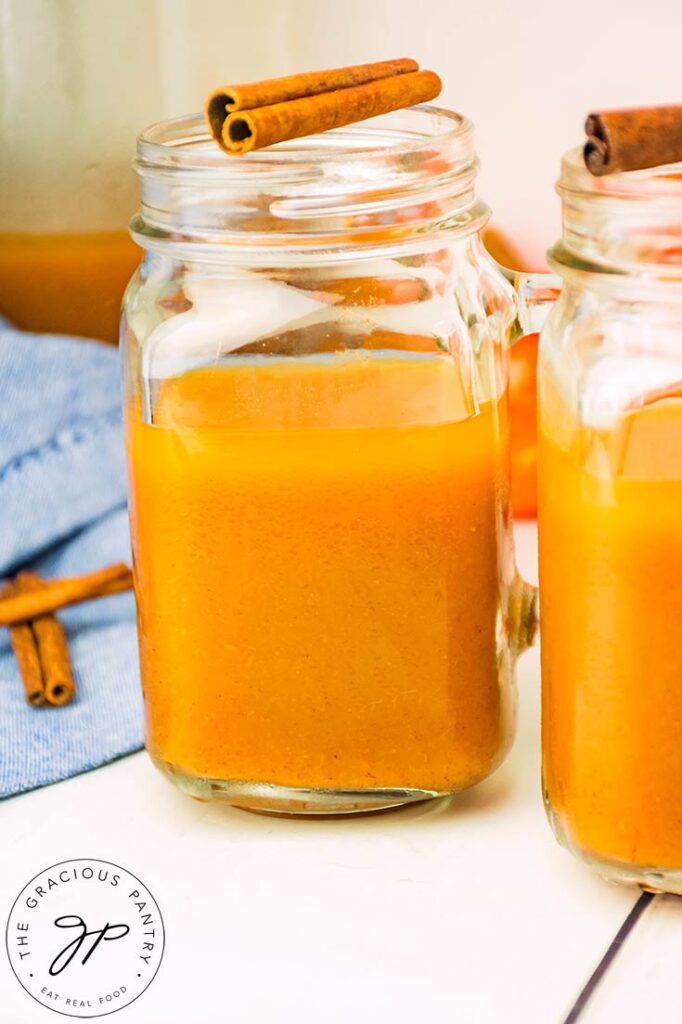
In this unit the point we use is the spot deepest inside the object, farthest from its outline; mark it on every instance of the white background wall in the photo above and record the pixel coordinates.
(90, 73)
(526, 71)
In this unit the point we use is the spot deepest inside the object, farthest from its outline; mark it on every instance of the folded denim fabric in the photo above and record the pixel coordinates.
(63, 512)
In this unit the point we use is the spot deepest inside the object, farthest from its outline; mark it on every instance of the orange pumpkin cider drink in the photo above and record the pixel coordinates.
(611, 593)
(315, 353)
(317, 573)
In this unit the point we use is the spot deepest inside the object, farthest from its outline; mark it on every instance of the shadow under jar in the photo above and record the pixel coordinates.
(610, 518)
(315, 356)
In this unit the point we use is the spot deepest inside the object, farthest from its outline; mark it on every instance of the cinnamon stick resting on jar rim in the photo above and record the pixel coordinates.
(631, 140)
(308, 114)
(229, 98)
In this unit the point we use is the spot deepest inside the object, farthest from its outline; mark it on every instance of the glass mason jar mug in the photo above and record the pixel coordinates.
(610, 517)
(316, 367)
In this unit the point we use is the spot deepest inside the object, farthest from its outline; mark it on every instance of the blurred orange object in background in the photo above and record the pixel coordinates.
(523, 426)
(66, 283)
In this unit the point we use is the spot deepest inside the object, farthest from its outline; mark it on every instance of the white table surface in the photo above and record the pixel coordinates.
(467, 912)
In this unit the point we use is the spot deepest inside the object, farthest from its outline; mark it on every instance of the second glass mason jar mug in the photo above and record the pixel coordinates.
(316, 369)
(610, 518)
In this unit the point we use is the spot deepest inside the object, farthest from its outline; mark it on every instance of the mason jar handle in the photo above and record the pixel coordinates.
(536, 293)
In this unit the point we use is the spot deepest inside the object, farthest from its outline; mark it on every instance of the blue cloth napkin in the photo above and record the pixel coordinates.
(63, 512)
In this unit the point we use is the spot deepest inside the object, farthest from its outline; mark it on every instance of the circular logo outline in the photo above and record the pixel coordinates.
(70, 861)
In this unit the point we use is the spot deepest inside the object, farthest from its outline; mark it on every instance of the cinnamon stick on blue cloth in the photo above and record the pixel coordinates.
(53, 649)
(25, 648)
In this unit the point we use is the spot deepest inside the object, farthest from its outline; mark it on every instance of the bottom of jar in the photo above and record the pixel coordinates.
(294, 801)
(651, 879)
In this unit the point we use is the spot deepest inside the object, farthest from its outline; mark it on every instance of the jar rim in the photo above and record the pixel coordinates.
(627, 223)
(401, 180)
(185, 144)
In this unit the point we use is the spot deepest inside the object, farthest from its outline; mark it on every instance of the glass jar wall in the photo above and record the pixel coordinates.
(610, 520)
(316, 369)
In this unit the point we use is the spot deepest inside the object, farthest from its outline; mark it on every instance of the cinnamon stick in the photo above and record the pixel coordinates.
(56, 594)
(630, 140)
(25, 648)
(229, 98)
(53, 649)
(264, 126)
